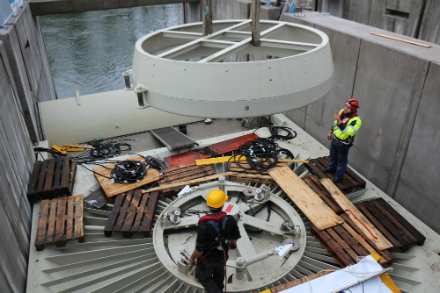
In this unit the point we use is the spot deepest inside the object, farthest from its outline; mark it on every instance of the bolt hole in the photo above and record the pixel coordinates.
(246, 108)
(226, 71)
(185, 69)
(270, 79)
(269, 68)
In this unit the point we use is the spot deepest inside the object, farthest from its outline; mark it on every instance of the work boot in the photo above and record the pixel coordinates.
(336, 180)
(327, 170)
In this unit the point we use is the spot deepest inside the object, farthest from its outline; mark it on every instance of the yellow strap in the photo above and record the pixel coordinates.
(386, 279)
(241, 158)
(57, 148)
(266, 291)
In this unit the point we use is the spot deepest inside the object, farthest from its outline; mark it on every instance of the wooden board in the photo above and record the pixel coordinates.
(295, 283)
(133, 212)
(54, 177)
(182, 175)
(220, 148)
(99, 196)
(61, 219)
(357, 217)
(313, 207)
(313, 182)
(113, 189)
(393, 226)
(251, 178)
(243, 166)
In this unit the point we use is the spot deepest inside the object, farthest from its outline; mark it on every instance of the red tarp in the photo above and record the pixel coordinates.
(220, 148)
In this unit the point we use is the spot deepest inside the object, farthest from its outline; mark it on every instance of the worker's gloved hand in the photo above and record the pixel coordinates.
(232, 245)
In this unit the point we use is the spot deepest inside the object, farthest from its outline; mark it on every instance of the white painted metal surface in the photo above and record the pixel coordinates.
(179, 71)
(136, 264)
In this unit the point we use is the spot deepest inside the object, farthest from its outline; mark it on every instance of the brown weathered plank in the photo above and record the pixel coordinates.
(350, 181)
(60, 235)
(65, 172)
(42, 225)
(41, 177)
(147, 223)
(79, 219)
(315, 169)
(57, 179)
(323, 164)
(332, 247)
(354, 244)
(52, 220)
(71, 177)
(69, 222)
(131, 213)
(140, 213)
(199, 170)
(33, 179)
(313, 207)
(395, 222)
(49, 176)
(420, 238)
(251, 180)
(201, 175)
(350, 226)
(342, 243)
(326, 198)
(376, 222)
(399, 235)
(123, 211)
(108, 229)
(113, 189)
(363, 223)
(99, 196)
(180, 168)
(295, 283)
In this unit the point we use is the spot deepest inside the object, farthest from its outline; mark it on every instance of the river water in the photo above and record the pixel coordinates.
(88, 51)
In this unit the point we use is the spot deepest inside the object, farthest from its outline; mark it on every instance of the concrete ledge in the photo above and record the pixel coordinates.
(49, 7)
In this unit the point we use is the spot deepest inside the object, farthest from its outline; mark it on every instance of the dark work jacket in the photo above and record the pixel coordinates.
(206, 234)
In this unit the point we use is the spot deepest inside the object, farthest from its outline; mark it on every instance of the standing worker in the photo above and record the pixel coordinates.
(342, 134)
(213, 233)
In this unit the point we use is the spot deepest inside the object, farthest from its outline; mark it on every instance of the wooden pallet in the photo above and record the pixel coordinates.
(350, 180)
(244, 165)
(113, 189)
(252, 178)
(182, 174)
(133, 212)
(61, 219)
(52, 177)
(313, 182)
(345, 242)
(99, 196)
(392, 225)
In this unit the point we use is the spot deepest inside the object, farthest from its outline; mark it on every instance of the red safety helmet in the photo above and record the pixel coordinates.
(352, 104)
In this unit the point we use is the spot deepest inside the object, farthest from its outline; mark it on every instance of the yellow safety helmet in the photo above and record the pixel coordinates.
(216, 198)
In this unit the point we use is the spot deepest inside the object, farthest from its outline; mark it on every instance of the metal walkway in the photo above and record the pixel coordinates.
(172, 138)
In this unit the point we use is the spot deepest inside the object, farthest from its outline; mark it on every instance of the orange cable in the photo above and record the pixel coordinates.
(362, 223)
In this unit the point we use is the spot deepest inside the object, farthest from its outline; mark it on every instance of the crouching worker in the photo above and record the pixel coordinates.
(216, 234)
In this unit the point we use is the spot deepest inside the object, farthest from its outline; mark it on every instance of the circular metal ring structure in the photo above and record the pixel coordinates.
(260, 229)
(223, 75)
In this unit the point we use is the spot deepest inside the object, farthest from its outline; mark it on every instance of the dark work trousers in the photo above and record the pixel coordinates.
(339, 158)
(211, 274)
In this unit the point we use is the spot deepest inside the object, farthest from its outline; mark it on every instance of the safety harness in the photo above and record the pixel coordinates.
(220, 239)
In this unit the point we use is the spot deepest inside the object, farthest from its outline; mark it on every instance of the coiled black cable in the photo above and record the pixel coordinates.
(276, 135)
(128, 172)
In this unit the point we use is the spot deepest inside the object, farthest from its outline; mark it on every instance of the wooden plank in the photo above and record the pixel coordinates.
(315, 169)
(131, 213)
(342, 243)
(200, 180)
(377, 222)
(351, 227)
(108, 229)
(52, 220)
(369, 230)
(65, 172)
(323, 164)
(401, 40)
(256, 32)
(420, 238)
(57, 179)
(33, 179)
(411, 238)
(49, 176)
(69, 222)
(147, 223)
(99, 196)
(332, 247)
(123, 211)
(347, 180)
(113, 189)
(295, 283)
(199, 175)
(140, 213)
(41, 177)
(355, 245)
(313, 207)
(180, 168)
(250, 180)
(202, 169)
(398, 234)
(326, 198)
(42, 225)
(79, 219)
(71, 177)
(60, 235)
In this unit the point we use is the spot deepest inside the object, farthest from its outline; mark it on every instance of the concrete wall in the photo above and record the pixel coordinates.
(16, 161)
(422, 21)
(26, 52)
(398, 137)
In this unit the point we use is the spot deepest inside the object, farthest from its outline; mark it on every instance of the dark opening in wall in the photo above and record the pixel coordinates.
(396, 13)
